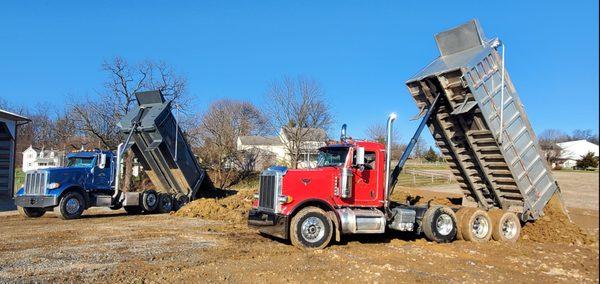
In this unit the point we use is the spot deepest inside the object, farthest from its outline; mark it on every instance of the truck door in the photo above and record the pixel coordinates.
(102, 176)
(366, 181)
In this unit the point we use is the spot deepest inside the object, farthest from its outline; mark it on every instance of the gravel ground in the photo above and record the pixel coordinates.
(110, 246)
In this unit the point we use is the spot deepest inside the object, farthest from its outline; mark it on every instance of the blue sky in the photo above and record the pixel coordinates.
(361, 52)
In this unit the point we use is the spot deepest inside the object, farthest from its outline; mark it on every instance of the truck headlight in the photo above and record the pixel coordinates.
(284, 199)
(53, 185)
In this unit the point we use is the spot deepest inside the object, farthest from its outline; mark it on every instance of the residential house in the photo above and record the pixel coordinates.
(572, 151)
(272, 150)
(34, 159)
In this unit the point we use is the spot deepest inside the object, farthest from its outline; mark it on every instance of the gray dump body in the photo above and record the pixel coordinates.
(496, 165)
(160, 147)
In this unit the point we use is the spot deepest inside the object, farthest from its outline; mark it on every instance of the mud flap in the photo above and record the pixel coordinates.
(331, 215)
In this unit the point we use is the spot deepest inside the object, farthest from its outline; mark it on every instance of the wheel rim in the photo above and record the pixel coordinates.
(313, 229)
(444, 224)
(481, 227)
(509, 229)
(151, 200)
(72, 206)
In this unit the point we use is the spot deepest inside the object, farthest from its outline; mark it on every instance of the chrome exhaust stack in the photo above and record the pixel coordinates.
(343, 134)
(388, 159)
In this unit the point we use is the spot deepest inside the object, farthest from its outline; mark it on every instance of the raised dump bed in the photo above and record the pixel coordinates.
(160, 147)
(488, 142)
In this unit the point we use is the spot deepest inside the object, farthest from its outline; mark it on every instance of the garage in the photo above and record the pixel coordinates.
(9, 123)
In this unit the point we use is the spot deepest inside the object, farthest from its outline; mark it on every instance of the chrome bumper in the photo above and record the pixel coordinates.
(269, 223)
(36, 201)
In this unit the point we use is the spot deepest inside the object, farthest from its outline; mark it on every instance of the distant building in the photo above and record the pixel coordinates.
(9, 124)
(271, 150)
(34, 159)
(572, 151)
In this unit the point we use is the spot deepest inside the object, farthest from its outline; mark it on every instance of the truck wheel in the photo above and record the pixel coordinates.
(133, 210)
(459, 216)
(476, 225)
(311, 229)
(31, 212)
(180, 201)
(150, 200)
(71, 206)
(506, 226)
(165, 203)
(439, 224)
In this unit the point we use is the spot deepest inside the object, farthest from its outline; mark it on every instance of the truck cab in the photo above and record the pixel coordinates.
(73, 188)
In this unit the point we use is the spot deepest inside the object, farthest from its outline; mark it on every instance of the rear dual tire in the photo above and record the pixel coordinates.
(439, 224)
(477, 225)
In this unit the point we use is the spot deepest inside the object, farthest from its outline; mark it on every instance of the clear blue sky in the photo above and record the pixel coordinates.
(360, 51)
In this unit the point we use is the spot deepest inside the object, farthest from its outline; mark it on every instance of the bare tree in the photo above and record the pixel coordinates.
(98, 117)
(548, 140)
(218, 131)
(298, 107)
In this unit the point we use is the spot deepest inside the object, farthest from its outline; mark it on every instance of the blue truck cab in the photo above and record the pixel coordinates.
(87, 178)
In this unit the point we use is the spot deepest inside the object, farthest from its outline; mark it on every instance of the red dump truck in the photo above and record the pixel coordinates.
(469, 104)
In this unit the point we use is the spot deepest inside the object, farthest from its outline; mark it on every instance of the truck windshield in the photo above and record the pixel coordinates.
(335, 156)
(80, 162)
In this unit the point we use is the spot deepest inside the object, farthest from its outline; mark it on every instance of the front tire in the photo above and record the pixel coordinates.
(31, 212)
(439, 224)
(311, 229)
(71, 206)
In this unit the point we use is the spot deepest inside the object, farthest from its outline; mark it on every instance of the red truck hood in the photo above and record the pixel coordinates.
(309, 179)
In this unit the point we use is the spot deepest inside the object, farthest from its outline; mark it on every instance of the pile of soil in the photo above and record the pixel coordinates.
(556, 227)
(416, 196)
(229, 206)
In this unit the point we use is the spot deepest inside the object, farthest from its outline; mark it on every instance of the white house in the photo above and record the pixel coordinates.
(572, 151)
(272, 150)
(9, 125)
(34, 159)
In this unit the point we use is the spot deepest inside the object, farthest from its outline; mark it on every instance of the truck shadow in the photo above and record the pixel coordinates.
(387, 237)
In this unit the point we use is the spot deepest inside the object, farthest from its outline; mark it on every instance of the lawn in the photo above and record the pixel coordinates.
(19, 178)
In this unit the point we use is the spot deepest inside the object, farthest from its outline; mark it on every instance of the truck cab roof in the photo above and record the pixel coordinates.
(85, 154)
(371, 145)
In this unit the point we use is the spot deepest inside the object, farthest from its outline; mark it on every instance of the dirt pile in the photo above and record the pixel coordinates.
(417, 196)
(555, 227)
(230, 206)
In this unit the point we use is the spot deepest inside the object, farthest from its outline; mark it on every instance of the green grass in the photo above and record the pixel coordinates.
(409, 181)
(19, 178)
(427, 166)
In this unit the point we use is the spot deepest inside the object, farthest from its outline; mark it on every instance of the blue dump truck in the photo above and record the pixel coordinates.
(92, 178)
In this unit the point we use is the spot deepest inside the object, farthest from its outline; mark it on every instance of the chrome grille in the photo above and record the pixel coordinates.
(267, 190)
(35, 183)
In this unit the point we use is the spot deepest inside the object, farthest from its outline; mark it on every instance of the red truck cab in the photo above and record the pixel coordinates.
(344, 194)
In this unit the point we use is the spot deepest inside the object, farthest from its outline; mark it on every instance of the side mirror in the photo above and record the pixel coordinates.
(360, 156)
(102, 161)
